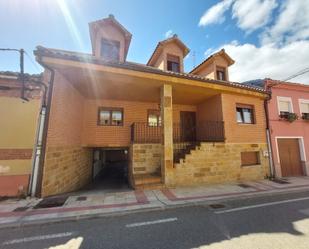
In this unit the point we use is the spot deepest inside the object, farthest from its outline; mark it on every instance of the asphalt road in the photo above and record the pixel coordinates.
(269, 222)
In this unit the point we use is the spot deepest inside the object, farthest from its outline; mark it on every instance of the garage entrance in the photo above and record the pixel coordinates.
(290, 157)
(110, 170)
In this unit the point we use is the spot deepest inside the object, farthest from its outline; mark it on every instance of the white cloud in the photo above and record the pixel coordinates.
(291, 25)
(168, 33)
(252, 14)
(268, 61)
(216, 13)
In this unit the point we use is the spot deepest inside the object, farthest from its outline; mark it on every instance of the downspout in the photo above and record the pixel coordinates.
(269, 146)
(41, 137)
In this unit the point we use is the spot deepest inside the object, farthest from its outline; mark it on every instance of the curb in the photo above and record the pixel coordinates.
(150, 209)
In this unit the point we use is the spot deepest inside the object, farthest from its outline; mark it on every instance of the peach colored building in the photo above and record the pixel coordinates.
(288, 111)
(17, 131)
(170, 127)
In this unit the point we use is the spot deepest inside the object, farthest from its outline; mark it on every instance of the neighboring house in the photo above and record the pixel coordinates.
(288, 115)
(175, 128)
(17, 131)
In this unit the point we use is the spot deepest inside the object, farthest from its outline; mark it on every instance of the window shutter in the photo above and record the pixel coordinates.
(284, 106)
(304, 107)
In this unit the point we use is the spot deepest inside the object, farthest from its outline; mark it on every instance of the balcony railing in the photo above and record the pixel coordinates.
(211, 131)
(206, 131)
(142, 132)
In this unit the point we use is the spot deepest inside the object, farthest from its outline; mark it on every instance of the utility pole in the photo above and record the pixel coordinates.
(21, 65)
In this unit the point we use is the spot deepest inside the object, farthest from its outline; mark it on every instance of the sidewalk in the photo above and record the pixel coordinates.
(23, 212)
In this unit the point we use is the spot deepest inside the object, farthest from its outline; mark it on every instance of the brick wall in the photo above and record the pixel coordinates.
(243, 133)
(218, 163)
(67, 164)
(119, 136)
(146, 158)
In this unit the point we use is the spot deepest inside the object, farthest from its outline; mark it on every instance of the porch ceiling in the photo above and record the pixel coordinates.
(108, 85)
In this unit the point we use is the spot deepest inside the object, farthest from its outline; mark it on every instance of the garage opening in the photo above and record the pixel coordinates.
(110, 170)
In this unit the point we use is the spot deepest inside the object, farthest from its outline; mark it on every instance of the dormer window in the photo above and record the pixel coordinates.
(173, 63)
(221, 73)
(110, 50)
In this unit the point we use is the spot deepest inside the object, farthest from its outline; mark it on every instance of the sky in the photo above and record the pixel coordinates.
(266, 38)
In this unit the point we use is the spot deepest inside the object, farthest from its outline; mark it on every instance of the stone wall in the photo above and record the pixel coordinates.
(67, 168)
(146, 158)
(217, 163)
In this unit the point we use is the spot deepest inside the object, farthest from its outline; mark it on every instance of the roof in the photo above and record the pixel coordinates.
(15, 75)
(211, 57)
(110, 20)
(88, 58)
(160, 45)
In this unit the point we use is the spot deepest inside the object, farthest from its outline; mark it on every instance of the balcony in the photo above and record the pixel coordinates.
(207, 131)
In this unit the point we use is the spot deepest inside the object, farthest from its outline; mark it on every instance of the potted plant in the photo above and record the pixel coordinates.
(305, 116)
(289, 116)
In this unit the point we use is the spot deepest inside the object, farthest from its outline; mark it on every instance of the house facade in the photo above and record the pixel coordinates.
(288, 123)
(17, 131)
(173, 128)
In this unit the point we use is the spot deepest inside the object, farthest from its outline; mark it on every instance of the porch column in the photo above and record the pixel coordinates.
(167, 129)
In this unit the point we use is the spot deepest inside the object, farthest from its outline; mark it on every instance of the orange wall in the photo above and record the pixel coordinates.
(243, 133)
(118, 136)
(66, 115)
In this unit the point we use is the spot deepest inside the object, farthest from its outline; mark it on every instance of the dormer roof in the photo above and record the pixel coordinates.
(210, 59)
(161, 45)
(110, 20)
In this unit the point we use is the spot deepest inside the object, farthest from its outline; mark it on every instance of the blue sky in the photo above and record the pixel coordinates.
(251, 31)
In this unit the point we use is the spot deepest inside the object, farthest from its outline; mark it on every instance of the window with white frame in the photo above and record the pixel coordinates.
(285, 105)
(304, 108)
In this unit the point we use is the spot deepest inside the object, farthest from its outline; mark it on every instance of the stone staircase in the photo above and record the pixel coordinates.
(147, 181)
(192, 153)
(180, 152)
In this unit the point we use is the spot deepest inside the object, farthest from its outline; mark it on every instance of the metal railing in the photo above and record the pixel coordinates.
(211, 131)
(142, 132)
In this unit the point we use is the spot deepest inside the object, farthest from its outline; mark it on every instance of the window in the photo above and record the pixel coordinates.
(285, 105)
(110, 116)
(304, 106)
(250, 158)
(154, 118)
(173, 63)
(221, 73)
(245, 114)
(110, 50)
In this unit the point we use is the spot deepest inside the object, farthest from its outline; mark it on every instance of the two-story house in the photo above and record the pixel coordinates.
(289, 129)
(172, 128)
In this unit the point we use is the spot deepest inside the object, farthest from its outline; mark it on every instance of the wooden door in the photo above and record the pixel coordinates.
(188, 125)
(289, 154)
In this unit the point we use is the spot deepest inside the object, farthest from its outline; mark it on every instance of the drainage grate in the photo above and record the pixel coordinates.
(242, 185)
(51, 202)
(20, 209)
(81, 198)
(217, 206)
(280, 181)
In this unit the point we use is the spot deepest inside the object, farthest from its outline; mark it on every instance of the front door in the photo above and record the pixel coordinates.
(289, 155)
(188, 125)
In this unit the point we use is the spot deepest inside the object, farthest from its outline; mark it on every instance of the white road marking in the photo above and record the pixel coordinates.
(35, 238)
(261, 205)
(146, 223)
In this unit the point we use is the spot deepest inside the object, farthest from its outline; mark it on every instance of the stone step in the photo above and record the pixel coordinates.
(146, 179)
(150, 186)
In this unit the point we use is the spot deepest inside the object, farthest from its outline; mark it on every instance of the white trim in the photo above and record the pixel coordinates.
(302, 101)
(301, 147)
(289, 99)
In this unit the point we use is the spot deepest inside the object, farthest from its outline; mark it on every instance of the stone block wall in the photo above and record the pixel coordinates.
(67, 168)
(145, 158)
(219, 163)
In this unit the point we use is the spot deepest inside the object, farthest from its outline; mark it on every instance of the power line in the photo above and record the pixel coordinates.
(301, 72)
(32, 61)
